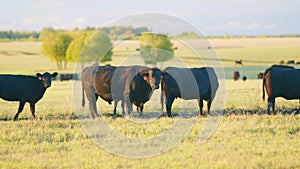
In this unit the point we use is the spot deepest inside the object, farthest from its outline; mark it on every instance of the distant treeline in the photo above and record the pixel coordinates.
(19, 35)
(125, 32)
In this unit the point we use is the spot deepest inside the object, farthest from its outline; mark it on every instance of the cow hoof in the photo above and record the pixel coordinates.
(202, 115)
(15, 118)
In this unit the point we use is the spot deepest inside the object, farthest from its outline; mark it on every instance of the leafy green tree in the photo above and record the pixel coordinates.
(155, 48)
(75, 48)
(98, 48)
(54, 45)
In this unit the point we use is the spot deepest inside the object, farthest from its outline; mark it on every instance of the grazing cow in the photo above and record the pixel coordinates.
(69, 76)
(260, 75)
(239, 62)
(281, 62)
(290, 62)
(185, 83)
(281, 81)
(25, 89)
(236, 75)
(298, 63)
(128, 84)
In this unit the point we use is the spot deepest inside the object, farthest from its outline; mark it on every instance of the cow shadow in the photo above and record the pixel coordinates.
(157, 115)
(261, 112)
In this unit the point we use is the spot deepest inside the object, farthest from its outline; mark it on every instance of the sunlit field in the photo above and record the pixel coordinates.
(245, 137)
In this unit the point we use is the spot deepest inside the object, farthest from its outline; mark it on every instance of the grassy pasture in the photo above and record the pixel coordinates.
(56, 138)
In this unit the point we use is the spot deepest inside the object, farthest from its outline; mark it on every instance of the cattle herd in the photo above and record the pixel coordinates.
(135, 85)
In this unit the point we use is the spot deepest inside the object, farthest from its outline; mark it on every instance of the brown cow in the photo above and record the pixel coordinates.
(260, 75)
(281, 81)
(128, 84)
(236, 75)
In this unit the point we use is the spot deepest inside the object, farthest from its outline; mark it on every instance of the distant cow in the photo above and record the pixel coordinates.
(290, 62)
(239, 62)
(25, 89)
(236, 75)
(128, 84)
(69, 76)
(244, 78)
(281, 81)
(185, 83)
(281, 62)
(260, 75)
(298, 63)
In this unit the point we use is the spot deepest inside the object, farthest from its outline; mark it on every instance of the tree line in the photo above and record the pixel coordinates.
(125, 32)
(114, 32)
(19, 35)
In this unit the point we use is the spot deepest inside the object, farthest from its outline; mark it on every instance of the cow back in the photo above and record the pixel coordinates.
(21, 88)
(285, 83)
(189, 81)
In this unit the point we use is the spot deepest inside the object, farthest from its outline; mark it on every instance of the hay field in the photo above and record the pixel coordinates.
(57, 139)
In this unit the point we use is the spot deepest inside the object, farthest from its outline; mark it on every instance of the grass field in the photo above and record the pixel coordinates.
(56, 139)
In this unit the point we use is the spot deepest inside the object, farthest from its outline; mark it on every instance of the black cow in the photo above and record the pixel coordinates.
(281, 81)
(239, 62)
(69, 76)
(129, 84)
(185, 83)
(25, 89)
(290, 62)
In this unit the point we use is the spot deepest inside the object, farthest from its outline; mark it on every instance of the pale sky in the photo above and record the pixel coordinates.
(212, 17)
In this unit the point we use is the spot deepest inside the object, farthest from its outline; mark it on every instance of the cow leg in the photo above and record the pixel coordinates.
(169, 103)
(271, 104)
(128, 107)
(141, 107)
(127, 103)
(122, 106)
(91, 96)
(200, 103)
(115, 108)
(20, 109)
(32, 109)
(273, 107)
(208, 105)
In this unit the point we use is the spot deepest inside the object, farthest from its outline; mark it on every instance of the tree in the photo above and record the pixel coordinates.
(55, 45)
(97, 48)
(75, 48)
(155, 48)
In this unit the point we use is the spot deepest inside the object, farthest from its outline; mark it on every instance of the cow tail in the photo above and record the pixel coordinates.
(263, 87)
(83, 98)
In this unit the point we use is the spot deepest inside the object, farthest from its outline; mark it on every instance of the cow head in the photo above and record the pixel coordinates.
(152, 76)
(46, 78)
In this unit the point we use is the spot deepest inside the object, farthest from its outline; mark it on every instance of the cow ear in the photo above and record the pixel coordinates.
(146, 76)
(54, 74)
(39, 76)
